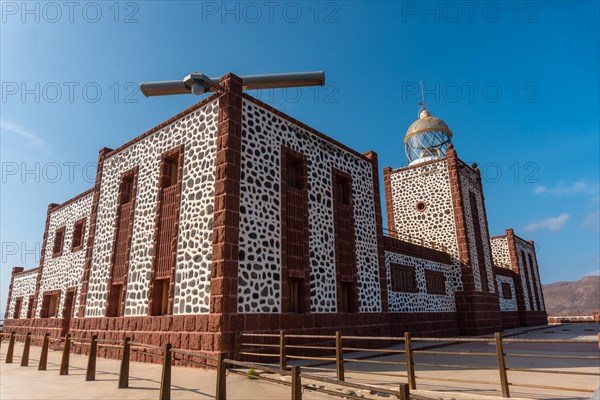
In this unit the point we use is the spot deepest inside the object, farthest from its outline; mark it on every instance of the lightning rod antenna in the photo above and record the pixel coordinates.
(422, 102)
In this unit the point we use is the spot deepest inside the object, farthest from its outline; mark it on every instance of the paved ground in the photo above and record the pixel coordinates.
(189, 383)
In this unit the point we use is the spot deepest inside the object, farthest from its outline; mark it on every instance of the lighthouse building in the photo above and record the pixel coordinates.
(235, 217)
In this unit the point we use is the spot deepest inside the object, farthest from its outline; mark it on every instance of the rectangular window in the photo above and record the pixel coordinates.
(122, 242)
(169, 200)
(342, 189)
(50, 305)
(115, 298)
(346, 301)
(18, 304)
(78, 234)
(170, 171)
(126, 189)
(30, 307)
(59, 240)
(160, 297)
(294, 217)
(294, 172)
(436, 282)
(403, 278)
(293, 295)
(506, 292)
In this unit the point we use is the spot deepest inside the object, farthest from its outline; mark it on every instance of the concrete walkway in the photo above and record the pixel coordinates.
(190, 383)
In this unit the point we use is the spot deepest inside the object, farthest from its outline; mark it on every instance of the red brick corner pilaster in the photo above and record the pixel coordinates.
(223, 292)
(38, 280)
(15, 271)
(85, 280)
(389, 204)
(378, 221)
(514, 266)
(485, 221)
(462, 240)
(512, 250)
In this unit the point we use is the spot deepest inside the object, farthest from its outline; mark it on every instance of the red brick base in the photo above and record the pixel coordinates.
(478, 313)
(510, 319)
(534, 318)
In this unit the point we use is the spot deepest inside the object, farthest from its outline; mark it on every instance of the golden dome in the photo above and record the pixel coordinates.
(426, 123)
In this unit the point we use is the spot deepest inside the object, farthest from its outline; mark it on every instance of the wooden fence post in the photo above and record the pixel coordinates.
(296, 383)
(44, 356)
(221, 378)
(165, 379)
(124, 370)
(404, 392)
(237, 346)
(282, 355)
(25, 356)
(64, 363)
(410, 363)
(502, 365)
(339, 356)
(11, 348)
(90, 373)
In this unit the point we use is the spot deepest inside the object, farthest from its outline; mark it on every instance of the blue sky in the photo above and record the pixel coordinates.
(517, 82)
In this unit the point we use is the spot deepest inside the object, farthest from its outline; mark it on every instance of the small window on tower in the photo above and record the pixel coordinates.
(59, 240)
(78, 232)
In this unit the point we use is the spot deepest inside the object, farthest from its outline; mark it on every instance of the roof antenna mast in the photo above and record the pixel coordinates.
(422, 102)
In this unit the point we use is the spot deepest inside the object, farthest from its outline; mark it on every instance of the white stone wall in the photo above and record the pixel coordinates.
(259, 274)
(468, 182)
(197, 131)
(23, 286)
(500, 252)
(532, 273)
(420, 301)
(66, 270)
(506, 304)
(429, 183)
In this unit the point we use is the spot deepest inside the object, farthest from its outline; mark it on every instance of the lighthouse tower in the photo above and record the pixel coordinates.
(437, 201)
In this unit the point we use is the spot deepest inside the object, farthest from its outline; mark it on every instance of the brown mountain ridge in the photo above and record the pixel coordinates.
(572, 298)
